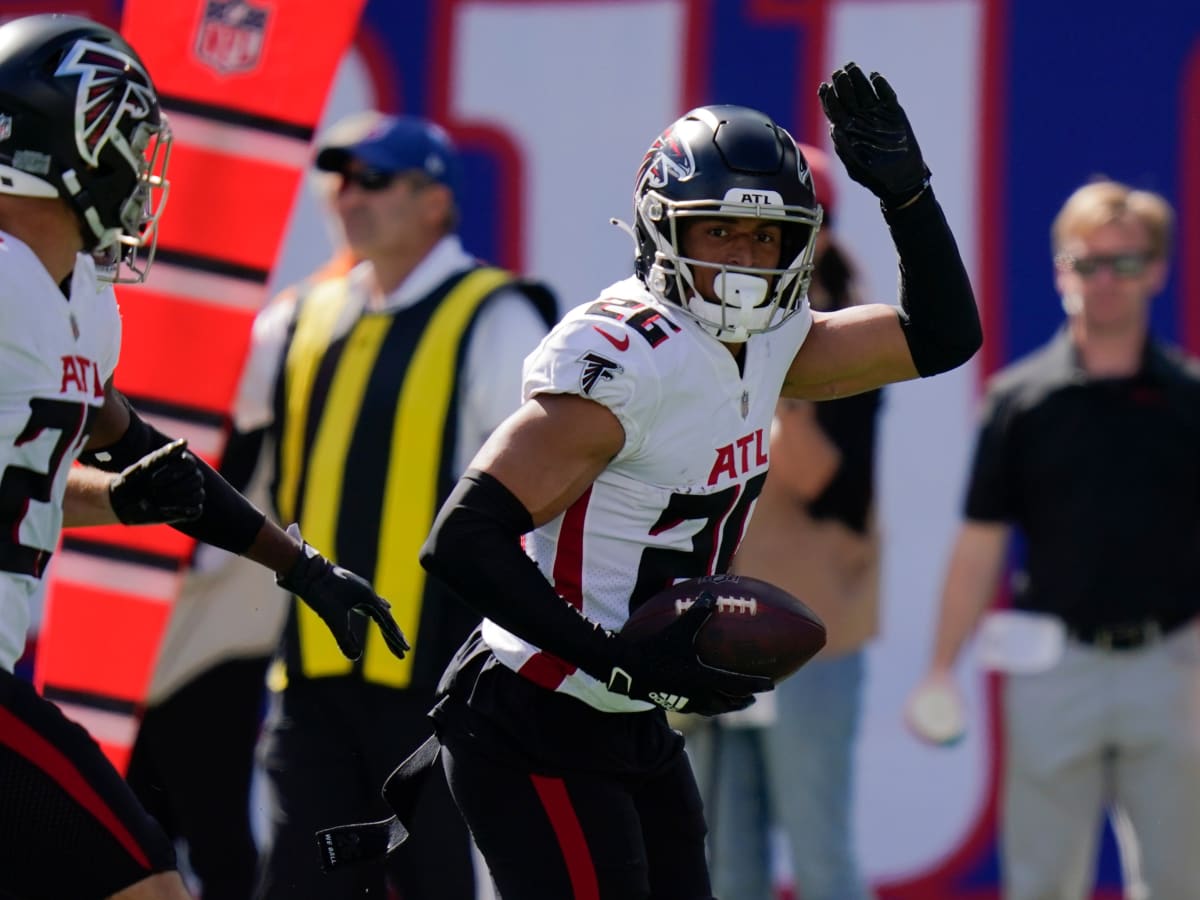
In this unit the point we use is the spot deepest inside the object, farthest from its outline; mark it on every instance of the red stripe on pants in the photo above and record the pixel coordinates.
(553, 794)
(35, 748)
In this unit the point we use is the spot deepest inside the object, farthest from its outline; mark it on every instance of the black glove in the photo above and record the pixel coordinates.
(339, 596)
(665, 670)
(872, 136)
(164, 486)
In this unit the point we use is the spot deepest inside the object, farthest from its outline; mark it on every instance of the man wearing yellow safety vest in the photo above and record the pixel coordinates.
(375, 388)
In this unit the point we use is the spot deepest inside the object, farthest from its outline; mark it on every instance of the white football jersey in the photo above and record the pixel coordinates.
(55, 357)
(674, 503)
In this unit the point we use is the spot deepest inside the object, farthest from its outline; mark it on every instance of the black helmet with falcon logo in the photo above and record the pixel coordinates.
(726, 161)
(80, 119)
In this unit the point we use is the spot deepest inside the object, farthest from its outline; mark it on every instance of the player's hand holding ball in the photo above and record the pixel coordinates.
(665, 669)
(706, 645)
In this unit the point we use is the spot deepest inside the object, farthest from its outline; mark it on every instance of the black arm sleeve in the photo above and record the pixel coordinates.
(940, 321)
(475, 547)
(229, 520)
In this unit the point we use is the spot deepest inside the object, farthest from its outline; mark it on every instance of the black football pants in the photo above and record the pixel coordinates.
(569, 803)
(70, 827)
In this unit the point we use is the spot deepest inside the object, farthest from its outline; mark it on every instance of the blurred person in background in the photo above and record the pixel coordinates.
(1089, 449)
(786, 764)
(372, 389)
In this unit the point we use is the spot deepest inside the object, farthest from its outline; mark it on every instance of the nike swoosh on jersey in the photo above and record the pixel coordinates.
(621, 343)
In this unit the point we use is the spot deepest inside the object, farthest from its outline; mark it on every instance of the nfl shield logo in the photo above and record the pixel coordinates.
(231, 35)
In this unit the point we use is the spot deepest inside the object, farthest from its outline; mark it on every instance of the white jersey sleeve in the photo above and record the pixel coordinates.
(598, 356)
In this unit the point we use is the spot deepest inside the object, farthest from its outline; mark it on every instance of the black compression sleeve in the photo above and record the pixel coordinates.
(475, 548)
(229, 520)
(940, 321)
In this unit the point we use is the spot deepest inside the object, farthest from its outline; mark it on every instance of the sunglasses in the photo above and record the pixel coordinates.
(369, 180)
(1123, 265)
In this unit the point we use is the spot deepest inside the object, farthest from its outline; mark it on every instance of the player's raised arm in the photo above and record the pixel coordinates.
(936, 327)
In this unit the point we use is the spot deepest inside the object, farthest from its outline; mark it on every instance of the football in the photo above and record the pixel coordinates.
(757, 628)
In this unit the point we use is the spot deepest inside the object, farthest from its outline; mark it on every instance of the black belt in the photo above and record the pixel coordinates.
(1125, 636)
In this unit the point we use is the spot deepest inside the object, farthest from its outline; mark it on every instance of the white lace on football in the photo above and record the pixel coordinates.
(738, 605)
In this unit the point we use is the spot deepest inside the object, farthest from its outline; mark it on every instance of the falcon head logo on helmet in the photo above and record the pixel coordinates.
(112, 86)
(667, 158)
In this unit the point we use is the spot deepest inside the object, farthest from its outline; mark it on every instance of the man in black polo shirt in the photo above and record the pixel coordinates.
(1090, 447)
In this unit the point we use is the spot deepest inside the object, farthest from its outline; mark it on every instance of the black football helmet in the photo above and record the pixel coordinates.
(80, 119)
(726, 161)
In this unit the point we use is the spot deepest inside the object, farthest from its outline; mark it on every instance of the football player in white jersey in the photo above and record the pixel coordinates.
(634, 462)
(83, 155)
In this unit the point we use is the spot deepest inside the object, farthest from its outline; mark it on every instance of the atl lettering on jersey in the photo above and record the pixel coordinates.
(734, 460)
(81, 375)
